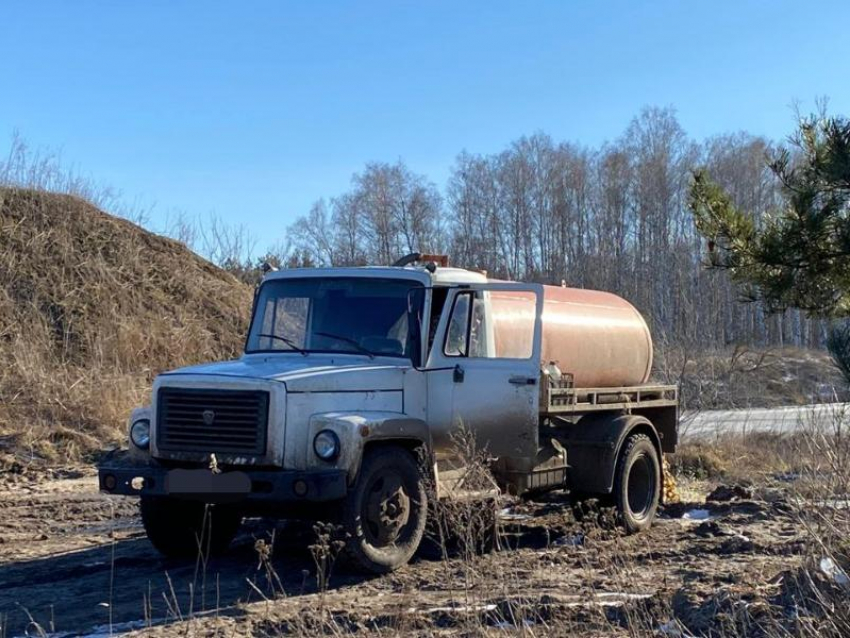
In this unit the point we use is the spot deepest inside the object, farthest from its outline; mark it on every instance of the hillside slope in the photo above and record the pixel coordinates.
(750, 378)
(92, 307)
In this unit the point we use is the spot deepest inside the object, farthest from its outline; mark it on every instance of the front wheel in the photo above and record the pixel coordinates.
(637, 484)
(183, 529)
(386, 511)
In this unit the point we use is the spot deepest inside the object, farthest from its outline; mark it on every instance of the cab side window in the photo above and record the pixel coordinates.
(497, 324)
(478, 329)
(438, 302)
(467, 331)
(457, 334)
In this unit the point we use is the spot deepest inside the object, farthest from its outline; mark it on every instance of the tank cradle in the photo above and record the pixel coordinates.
(571, 400)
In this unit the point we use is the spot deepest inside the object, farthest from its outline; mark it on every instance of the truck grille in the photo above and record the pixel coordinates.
(225, 421)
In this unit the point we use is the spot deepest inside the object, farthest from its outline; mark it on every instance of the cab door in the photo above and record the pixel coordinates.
(485, 369)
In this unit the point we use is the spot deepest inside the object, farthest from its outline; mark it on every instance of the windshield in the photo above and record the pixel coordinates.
(353, 315)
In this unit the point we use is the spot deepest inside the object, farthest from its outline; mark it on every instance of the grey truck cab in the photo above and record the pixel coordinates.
(346, 403)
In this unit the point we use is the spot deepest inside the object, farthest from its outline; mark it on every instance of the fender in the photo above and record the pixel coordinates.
(593, 447)
(358, 429)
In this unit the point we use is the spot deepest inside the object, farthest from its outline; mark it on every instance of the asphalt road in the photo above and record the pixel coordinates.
(707, 424)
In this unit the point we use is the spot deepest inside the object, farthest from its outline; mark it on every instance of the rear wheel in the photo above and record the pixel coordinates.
(179, 528)
(637, 484)
(386, 510)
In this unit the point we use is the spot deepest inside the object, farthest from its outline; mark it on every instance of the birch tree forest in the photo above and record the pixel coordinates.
(612, 218)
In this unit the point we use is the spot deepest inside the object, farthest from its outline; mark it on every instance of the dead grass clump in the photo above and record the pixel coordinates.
(819, 602)
(92, 307)
(748, 458)
(698, 461)
(465, 523)
(813, 597)
(816, 594)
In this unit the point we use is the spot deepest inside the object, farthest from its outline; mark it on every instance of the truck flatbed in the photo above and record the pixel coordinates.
(564, 401)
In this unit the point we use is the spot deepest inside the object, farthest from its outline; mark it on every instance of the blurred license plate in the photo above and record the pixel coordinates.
(205, 484)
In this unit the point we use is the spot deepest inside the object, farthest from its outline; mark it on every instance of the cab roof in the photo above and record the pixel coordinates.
(440, 277)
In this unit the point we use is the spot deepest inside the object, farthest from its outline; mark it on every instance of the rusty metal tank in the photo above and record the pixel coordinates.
(597, 337)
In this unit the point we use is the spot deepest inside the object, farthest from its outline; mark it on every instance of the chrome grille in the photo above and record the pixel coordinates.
(225, 421)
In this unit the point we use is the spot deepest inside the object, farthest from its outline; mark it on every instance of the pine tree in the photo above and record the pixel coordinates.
(799, 255)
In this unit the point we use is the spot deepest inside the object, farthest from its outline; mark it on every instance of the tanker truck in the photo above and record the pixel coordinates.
(354, 385)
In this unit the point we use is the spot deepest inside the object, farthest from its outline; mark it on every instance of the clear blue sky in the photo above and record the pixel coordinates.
(255, 109)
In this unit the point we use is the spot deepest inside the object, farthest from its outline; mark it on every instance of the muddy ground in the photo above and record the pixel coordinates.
(72, 561)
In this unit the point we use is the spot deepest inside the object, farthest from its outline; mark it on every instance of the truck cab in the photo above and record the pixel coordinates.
(347, 403)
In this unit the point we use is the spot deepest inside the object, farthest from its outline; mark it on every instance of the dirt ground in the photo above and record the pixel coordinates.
(72, 561)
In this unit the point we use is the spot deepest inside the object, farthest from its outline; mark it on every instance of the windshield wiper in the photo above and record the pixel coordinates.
(353, 342)
(288, 342)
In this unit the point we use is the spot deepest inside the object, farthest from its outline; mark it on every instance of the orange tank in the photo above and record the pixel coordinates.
(597, 337)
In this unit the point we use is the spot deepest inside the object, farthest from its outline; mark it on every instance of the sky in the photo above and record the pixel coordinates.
(254, 110)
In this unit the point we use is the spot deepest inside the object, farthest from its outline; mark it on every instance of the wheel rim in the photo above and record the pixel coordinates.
(386, 510)
(641, 486)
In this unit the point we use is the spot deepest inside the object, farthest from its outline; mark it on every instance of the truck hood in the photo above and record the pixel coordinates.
(313, 373)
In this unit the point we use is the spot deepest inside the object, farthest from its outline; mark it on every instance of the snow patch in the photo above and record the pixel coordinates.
(101, 631)
(674, 629)
(574, 540)
(696, 515)
(834, 572)
(474, 608)
(507, 514)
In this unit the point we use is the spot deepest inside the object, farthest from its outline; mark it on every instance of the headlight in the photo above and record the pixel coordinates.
(326, 445)
(140, 434)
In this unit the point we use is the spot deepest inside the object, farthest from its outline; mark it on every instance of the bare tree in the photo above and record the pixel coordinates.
(612, 218)
(390, 211)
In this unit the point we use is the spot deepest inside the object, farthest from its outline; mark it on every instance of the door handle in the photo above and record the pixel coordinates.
(458, 374)
(522, 381)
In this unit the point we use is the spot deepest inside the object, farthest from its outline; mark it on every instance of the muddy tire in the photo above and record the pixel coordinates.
(384, 514)
(637, 483)
(178, 528)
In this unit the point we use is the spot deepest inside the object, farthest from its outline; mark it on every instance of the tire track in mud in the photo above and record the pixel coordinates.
(62, 543)
(24, 577)
(71, 592)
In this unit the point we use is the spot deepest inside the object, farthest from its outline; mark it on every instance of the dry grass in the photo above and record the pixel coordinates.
(506, 593)
(752, 457)
(807, 472)
(92, 307)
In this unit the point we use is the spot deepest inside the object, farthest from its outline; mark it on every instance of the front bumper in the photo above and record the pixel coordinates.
(270, 486)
